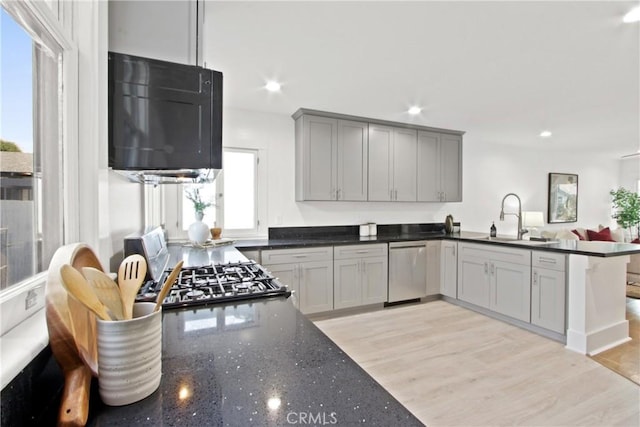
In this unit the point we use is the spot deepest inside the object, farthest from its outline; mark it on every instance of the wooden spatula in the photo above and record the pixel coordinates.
(77, 286)
(106, 289)
(167, 285)
(131, 275)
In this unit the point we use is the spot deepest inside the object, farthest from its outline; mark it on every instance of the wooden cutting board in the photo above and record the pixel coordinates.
(72, 334)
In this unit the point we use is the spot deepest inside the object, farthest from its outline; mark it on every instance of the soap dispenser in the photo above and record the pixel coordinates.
(494, 231)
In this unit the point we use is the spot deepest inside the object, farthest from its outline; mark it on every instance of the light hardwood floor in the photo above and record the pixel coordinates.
(453, 367)
(625, 358)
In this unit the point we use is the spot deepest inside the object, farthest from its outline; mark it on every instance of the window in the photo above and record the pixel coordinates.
(240, 182)
(233, 197)
(31, 155)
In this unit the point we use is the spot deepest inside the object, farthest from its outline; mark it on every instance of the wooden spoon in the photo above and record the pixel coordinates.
(77, 286)
(131, 275)
(167, 285)
(106, 289)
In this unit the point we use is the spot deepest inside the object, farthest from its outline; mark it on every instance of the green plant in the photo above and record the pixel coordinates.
(199, 205)
(9, 146)
(627, 207)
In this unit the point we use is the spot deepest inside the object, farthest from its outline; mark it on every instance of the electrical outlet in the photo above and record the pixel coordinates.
(31, 299)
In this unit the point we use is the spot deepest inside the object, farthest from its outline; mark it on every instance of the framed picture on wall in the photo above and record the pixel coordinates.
(563, 198)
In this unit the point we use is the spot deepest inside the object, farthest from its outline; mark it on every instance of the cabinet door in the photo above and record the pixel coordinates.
(428, 184)
(374, 280)
(320, 158)
(347, 286)
(548, 299)
(405, 150)
(451, 167)
(433, 267)
(316, 286)
(511, 289)
(448, 269)
(473, 280)
(380, 163)
(353, 143)
(287, 274)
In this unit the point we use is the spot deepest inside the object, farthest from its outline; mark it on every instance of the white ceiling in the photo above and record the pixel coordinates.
(501, 71)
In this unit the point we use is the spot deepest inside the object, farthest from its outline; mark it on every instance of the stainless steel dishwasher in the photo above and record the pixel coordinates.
(407, 270)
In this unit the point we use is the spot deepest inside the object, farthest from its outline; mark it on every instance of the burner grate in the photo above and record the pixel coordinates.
(217, 283)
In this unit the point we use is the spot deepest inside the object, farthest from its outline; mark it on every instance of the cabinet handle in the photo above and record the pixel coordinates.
(535, 277)
(395, 194)
(453, 249)
(444, 196)
(299, 256)
(486, 268)
(493, 269)
(338, 194)
(547, 260)
(390, 194)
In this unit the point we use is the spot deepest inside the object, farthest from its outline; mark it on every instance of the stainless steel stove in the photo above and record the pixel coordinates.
(208, 284)
(216, 283)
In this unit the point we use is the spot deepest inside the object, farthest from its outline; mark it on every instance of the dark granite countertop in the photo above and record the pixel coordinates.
(226, 364)
(589, 248)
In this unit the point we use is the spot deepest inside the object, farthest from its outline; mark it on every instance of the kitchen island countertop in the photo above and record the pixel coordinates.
(255, 363)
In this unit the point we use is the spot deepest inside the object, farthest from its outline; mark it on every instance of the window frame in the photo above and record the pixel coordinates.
(163, 203)
(243, 232)
(39, 22)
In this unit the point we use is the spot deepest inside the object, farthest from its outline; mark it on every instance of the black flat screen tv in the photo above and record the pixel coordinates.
(163, 116)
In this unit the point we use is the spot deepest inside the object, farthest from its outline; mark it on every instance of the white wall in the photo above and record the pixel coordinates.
(490, 172)
(630, 173)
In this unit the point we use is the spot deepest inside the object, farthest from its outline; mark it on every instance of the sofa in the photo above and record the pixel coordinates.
(604, 234)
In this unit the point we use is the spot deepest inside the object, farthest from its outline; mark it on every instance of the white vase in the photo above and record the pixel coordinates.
(198, 231)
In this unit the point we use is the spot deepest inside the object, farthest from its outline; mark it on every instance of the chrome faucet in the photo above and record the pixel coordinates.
(521, 231)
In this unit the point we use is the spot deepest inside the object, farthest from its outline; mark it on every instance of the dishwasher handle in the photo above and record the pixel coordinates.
(412, 244)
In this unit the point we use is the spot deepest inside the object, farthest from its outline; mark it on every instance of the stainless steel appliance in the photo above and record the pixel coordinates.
(216, 283)
(407, 271)
(165, 120)
(202, 284)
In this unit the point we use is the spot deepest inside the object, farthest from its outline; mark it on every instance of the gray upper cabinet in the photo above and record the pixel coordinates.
(331, 161)
(392, 164)
(439, 167)
(350, 158)
(353, 142)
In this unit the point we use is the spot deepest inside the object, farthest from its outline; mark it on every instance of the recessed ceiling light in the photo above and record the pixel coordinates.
(545, 134)
(632, 16)
(272, 86)
(415, 110)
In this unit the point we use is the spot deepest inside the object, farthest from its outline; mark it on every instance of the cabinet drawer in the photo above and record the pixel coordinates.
(549, 260)
(288, 256)
(496, 253)
(360, 251)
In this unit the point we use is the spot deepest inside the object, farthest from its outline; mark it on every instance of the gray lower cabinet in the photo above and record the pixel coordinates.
(433, 267)
(360, 275)
(307, 271)
(449, 268)
(548, 290)
(496, 279)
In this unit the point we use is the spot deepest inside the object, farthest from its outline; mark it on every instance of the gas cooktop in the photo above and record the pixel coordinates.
(215, 283)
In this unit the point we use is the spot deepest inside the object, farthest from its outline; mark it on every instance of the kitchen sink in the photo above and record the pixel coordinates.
(514, 240)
